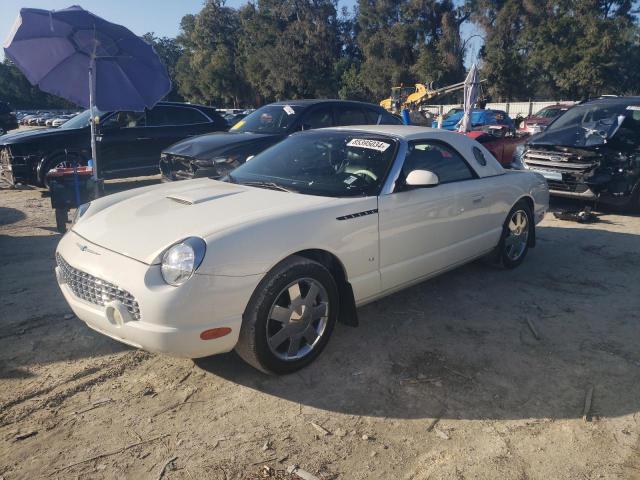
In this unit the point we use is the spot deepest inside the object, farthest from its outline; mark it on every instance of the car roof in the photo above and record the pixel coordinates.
(314, 101)
(406, 132)
(613, 101)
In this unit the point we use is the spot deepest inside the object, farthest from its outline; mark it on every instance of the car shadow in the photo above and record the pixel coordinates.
(10, 215)
(462, 345)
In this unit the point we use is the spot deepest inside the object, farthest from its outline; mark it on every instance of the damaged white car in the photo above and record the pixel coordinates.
(294, 240)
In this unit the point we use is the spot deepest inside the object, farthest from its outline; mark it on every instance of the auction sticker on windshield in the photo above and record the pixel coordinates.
(370, 144)
(288, 110)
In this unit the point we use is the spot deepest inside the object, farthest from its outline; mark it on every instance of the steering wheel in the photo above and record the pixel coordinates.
(365, 174)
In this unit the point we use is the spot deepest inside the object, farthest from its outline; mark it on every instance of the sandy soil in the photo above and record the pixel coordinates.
(444, 380)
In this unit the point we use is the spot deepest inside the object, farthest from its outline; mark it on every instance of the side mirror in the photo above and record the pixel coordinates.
(422, 178)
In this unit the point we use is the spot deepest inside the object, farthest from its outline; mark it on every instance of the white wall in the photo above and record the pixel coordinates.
(512, 108)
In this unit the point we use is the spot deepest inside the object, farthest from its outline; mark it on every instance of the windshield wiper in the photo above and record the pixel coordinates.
(268, 185)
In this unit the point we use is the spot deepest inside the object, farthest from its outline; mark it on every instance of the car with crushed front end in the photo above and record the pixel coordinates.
(217, 154)
(292, 241)
(591, 152)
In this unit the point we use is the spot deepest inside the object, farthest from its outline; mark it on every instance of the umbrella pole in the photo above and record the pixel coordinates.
(92, 101)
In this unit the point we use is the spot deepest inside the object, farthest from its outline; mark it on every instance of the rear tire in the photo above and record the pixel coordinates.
(290, 317)
(516, 234)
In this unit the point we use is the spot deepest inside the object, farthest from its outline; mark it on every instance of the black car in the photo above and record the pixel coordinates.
(8, 120)
(592, 151)
(217, 154)
(128, 143)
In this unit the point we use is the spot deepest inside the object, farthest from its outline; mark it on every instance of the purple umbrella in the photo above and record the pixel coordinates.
(81, 57)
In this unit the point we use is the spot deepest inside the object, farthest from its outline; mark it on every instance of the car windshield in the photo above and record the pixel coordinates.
(589, 124)
(269, 119)
(327, 163)
(80, 121)
(550, 112)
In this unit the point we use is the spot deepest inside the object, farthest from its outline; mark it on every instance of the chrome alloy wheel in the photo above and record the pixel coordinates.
(517, 237)
(297, 319)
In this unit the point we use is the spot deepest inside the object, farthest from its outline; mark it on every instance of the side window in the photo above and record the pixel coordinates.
(350, 116)
(186, 116)
(372, 116)
(158, 116)
(318, 118)
(438, 158)
(165, 116)
(125, 120)
(388, 119)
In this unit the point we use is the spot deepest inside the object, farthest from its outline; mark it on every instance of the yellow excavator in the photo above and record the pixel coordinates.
(405, 97)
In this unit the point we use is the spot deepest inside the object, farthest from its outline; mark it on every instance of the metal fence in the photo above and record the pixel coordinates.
(513, 109)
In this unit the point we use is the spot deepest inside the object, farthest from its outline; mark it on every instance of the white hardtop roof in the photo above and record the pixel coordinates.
(460, 142)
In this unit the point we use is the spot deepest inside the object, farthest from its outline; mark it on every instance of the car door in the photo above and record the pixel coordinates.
(425, 230)
(121, 142)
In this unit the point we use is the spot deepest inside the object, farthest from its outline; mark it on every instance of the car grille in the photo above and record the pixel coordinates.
(95, 290)
(553, 160)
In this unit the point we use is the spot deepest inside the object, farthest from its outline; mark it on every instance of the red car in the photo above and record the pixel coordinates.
(499, 141)
(538, 122)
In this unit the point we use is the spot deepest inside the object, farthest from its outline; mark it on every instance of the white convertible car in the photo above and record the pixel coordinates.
(294, 240)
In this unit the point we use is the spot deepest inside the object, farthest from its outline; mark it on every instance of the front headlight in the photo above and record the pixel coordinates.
(181, 260)
(80, 211)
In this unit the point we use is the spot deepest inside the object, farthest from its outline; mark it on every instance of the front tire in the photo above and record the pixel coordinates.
(290, 317)
(516, 233)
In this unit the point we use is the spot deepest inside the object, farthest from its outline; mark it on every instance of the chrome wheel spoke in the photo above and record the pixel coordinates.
(281, 314)
(279, 338)
(294, 292)
(310, 335)
(312, 294)
(319, 311)
(294, 345)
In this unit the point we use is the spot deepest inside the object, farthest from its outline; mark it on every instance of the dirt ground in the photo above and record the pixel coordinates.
(445, 380)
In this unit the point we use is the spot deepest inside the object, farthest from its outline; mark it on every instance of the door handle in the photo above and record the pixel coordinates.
(478, 198)
(143, 138)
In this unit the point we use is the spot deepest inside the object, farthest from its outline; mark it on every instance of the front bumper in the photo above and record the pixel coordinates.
(171, 318)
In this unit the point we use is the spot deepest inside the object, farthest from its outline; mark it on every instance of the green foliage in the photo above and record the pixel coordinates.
(558, 48)
(289, 48)
(18, 92)
(277, 49)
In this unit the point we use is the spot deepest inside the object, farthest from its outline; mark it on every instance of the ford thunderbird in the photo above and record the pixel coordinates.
(268, 260)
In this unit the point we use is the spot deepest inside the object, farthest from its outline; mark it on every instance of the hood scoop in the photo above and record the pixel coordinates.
(201, 195)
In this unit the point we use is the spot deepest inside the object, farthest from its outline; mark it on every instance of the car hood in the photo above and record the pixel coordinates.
(142, 223)
(206, 146)
(35, 134)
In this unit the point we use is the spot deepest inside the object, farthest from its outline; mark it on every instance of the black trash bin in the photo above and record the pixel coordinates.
(70, 188)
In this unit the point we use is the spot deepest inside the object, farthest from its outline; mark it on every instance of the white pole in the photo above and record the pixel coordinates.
(92, 94)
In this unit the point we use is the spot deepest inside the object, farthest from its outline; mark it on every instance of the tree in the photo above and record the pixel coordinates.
(409, 41)
(208, 71)
(19, 93)
(289, 48)
(558, 48)
(169, 51)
